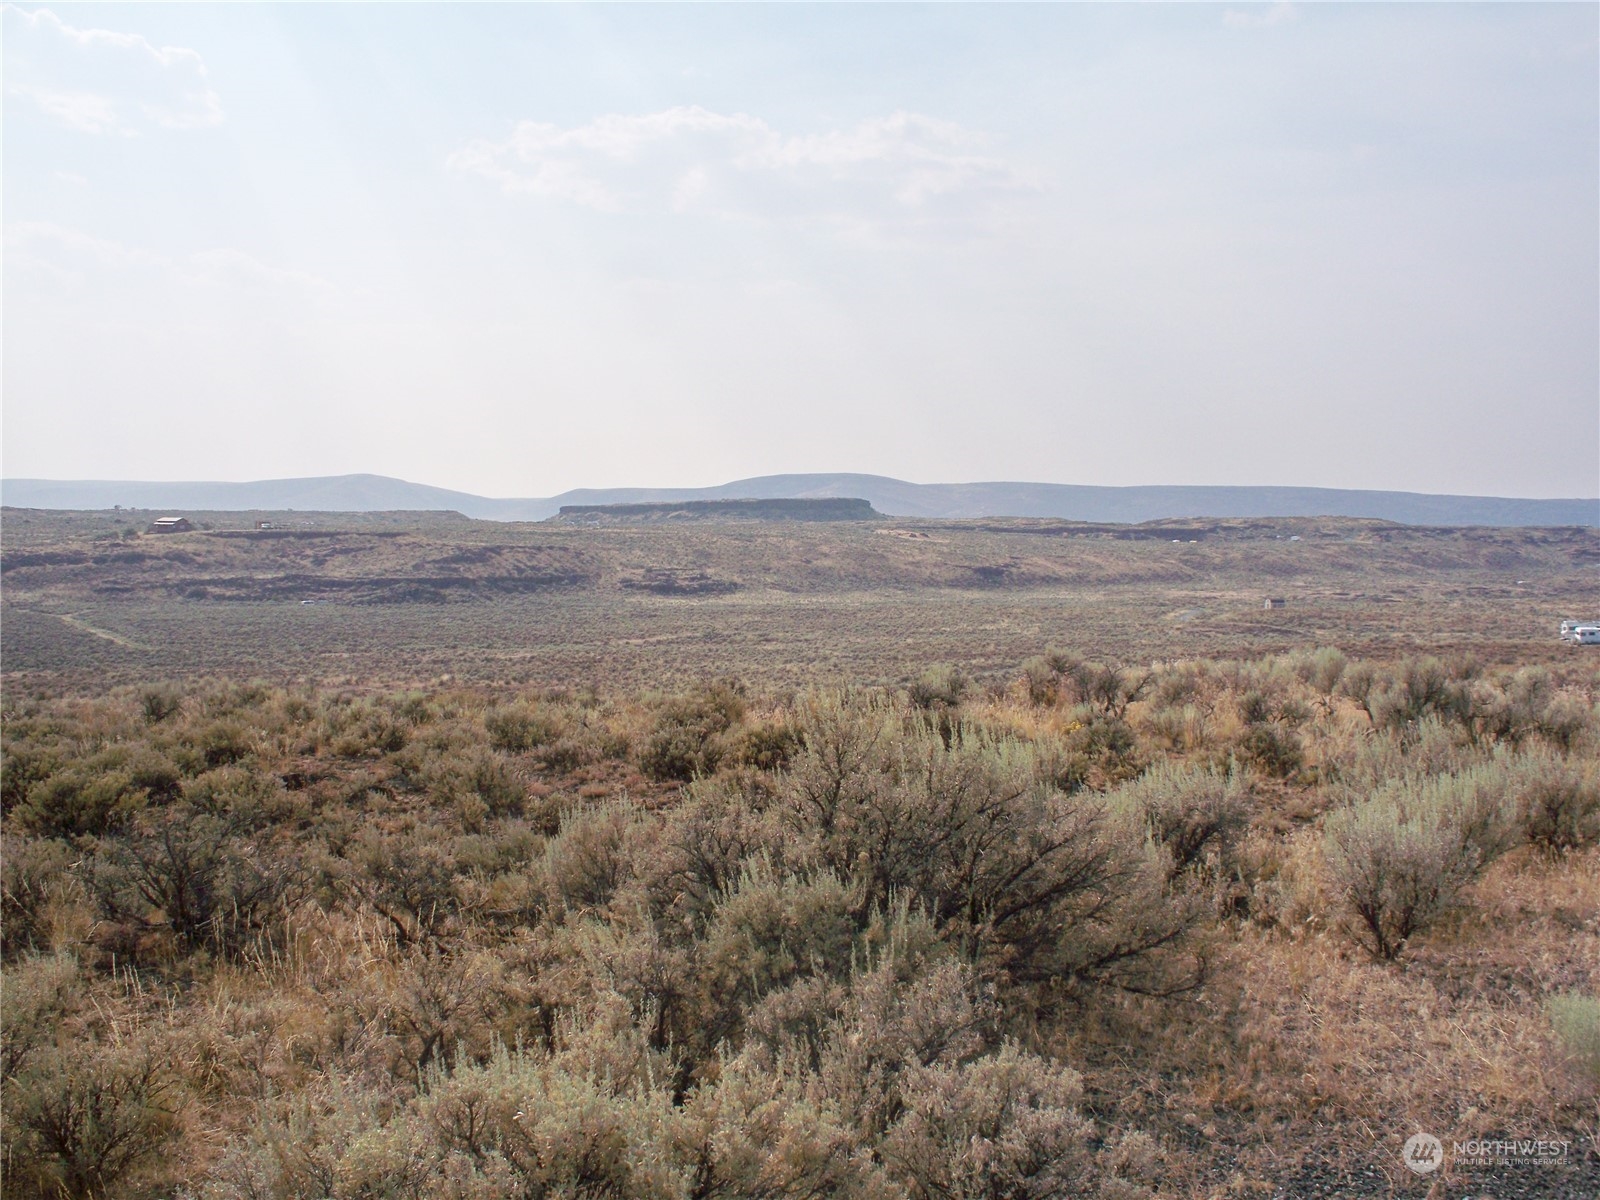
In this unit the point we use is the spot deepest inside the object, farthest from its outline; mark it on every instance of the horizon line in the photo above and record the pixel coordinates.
(42, 479)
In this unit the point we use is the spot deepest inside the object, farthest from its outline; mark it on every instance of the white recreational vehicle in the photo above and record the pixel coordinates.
(1581, 633)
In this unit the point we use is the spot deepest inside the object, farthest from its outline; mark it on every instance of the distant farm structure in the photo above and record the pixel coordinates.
(170, 525)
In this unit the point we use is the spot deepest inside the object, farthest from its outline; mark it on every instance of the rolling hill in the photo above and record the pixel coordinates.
(894, 497)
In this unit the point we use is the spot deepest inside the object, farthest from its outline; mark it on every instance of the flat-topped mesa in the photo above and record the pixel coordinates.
(826, 509)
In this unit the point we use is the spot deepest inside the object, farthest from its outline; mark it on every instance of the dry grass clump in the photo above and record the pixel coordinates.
(1576, 1020)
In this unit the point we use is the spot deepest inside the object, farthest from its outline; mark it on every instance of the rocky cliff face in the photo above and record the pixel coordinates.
(840, 509)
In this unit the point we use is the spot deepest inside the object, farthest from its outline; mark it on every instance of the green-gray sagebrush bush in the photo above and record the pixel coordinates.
(478, 943)
(1401, 858)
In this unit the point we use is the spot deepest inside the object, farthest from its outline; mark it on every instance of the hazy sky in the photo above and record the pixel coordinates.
(517, 249)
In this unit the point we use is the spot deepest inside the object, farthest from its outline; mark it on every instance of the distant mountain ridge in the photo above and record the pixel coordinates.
(893, 497)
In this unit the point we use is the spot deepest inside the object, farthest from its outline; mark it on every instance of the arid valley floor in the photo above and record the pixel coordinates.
(408, 597)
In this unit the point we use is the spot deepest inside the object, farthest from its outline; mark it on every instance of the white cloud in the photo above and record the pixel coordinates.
(81, 260)
(1259, 16)
(105, 81)
(904, 167)
(165, 56)
(44, 240)
(81, 110)
(227, 267)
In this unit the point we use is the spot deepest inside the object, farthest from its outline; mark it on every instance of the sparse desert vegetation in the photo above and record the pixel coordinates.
(409, 598)
(706, 918)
